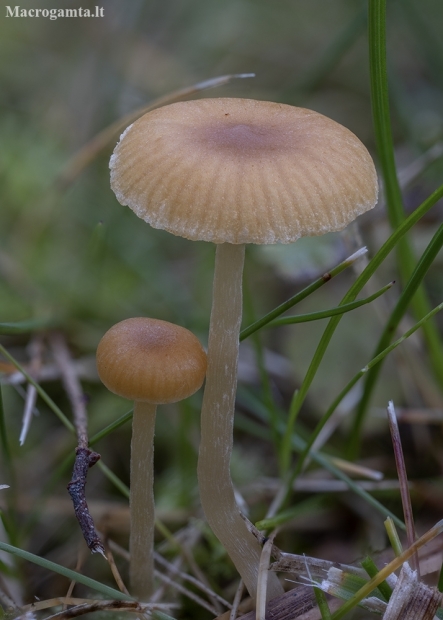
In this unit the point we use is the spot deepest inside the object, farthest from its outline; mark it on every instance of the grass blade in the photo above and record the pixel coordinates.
(369, 270)
(387, 570)
(399, 311)
(24, 327)
(66, 572)
(326, 314)
(298, 445)
(374, 361)
(394, 202)
(41, 392)
(298, 297)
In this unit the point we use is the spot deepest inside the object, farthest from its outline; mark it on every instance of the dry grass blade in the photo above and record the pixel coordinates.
(193, 597)
(290, 605)
(412, 600)
(87, 608)
(89, 152)
(174, 582)
(403, 478)
(71, 385)
(236, 601)
(36, 352)
(262, 582)
(386, 571)
(115, 572)
(190, 579)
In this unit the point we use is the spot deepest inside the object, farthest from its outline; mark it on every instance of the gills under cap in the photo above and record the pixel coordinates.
(242, 171)
(151, 361)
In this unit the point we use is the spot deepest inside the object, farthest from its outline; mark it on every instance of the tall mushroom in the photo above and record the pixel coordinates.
(236, 171)
(151, 362)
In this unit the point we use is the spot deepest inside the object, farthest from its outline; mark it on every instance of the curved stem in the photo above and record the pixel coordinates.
(141, 542)
(216, 490)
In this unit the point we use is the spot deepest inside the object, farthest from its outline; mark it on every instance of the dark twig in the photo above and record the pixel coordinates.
(84, 457)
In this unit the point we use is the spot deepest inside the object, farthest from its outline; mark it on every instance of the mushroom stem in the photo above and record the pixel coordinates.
(141, 542)
(217, 420)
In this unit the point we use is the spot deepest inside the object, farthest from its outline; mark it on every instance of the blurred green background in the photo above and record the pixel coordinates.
(72, 254)
(81, 257)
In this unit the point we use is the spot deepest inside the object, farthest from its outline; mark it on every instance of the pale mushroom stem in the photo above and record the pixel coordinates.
(141, 542)
(217, 419)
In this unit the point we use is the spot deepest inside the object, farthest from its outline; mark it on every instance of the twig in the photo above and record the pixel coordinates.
(84, 457)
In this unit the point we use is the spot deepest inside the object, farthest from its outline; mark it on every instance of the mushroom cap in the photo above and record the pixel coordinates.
(151, 361)
(242, 171)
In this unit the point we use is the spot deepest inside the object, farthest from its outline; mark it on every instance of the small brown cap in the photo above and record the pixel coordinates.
(242, 171)
(151, 361)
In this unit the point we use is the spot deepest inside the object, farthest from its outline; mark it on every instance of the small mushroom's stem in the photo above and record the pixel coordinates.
(216, 490)
(141, 542)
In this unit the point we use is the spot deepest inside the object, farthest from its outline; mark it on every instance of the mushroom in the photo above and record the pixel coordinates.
(151, 362)
(236, 171)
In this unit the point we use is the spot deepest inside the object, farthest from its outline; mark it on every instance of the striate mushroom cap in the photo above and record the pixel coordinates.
(242, 171)
(151, 361)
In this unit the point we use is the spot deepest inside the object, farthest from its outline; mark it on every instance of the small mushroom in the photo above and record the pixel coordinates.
(236, 171)
(151, 362)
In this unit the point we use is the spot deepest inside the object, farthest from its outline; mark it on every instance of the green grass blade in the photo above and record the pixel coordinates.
(388, 570)
(394, 202)
(369, 270)
(399, 311)
(393, 536)
(126, 417)
(322, 603)
(311, 505)
(372, 569)
(299, 444)
(298, 297)
(66, 572)
(119, 484)
(326, 314)
(374, 361)
(24, 327)
(381, 113)
(265, 381)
